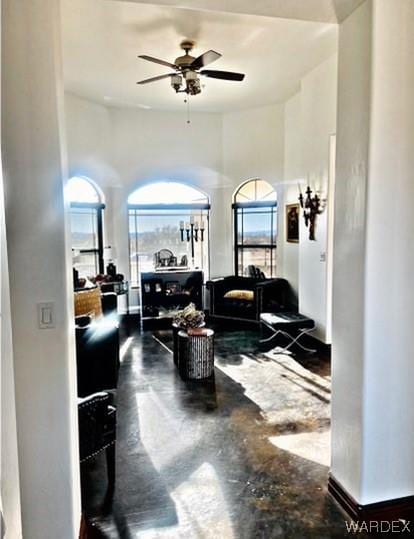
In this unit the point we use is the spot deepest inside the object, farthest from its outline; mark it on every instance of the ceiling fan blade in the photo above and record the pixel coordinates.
(224, 75)
(157, 61)
(205, 59)
(153, 79)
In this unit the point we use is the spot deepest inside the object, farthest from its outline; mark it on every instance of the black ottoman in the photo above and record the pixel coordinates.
(290, 325)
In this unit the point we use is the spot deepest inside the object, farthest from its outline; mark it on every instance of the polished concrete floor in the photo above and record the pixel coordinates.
(244, 455)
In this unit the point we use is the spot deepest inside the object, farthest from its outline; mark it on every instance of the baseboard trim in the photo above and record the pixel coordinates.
(387, 511)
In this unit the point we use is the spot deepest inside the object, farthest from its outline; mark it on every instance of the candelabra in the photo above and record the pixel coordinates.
(193, 233)
(312, 206)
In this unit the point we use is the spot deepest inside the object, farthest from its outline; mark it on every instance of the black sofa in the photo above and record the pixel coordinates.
(266, 295)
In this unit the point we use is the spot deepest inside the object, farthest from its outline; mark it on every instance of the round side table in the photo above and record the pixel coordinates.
(196, 353)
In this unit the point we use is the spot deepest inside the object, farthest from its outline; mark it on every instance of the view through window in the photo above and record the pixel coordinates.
(255, 227)
(86, 226)
(155, 213)
(153, 230)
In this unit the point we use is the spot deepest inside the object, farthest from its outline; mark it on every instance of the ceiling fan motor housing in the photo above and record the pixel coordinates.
(184, 61)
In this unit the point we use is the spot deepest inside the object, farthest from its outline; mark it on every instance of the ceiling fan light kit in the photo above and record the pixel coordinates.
(187, 70)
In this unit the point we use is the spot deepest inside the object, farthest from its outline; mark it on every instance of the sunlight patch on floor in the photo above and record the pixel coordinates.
(201, 509)
(314, 446)
(284, 390)
(124, 348)
(173, 434)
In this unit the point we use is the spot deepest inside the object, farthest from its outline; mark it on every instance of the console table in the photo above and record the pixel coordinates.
(163, 292)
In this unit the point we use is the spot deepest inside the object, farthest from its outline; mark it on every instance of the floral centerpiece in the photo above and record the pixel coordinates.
(189, 317)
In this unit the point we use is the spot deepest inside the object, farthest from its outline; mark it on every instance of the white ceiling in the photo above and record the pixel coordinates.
(102, 38)
(331, 11)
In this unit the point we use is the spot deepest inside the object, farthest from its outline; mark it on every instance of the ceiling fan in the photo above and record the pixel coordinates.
(185, 77)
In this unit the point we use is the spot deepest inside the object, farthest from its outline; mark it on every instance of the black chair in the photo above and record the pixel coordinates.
(255, 272)
(245, 298)
(97, 430)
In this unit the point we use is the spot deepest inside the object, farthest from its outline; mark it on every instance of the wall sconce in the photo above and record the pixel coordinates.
(311, 206)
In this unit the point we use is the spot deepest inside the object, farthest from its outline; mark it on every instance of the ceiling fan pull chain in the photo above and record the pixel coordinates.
(188, 109)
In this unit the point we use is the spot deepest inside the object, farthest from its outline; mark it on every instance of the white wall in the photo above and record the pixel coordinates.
(252, 148)
(318, 119)
(44, 362)
(389, 293)
(372, 411)
(293, 175)
(89, 144)
(253, 145)
(349, 245)
(310, 120)
(9, 466)
(11, 526)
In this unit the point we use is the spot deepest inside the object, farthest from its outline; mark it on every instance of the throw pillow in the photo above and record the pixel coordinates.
(245, 295)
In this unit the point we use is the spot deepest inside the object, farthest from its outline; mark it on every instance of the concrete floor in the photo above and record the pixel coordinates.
(244, 455)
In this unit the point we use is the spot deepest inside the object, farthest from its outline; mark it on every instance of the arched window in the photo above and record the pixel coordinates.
(254, 191)
(157, 211)
(83, 191)
(255, 227)
(167, 193)
(86, 209)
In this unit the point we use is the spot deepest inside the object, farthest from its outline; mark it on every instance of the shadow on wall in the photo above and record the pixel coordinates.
(103, 173)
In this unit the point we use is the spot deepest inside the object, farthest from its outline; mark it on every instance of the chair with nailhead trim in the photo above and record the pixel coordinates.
(97, 430)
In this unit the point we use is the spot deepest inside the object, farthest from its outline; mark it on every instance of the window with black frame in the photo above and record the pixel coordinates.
(86, 215)
(255, 227)
(156, 213)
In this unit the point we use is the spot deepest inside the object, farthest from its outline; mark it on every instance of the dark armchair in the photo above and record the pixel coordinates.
(244, 298)
(97, 430)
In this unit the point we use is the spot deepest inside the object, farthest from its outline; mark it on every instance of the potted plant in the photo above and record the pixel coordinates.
(189, 318)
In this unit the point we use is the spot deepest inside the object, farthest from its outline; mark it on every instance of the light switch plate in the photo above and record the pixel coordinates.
(46, 315)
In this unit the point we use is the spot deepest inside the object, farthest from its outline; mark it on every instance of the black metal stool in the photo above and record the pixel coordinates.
(293, 326)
